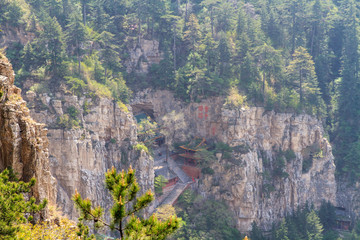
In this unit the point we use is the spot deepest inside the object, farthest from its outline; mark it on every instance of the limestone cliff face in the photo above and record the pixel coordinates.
(143, 55)
(23, 142)
(248, 181)
(79, 157)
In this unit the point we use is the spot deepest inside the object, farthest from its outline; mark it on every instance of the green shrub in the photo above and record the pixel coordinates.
(73, 112)
(207, 170)
(243, 149)
(65, 121)
(279, 168)
(206, 157)
(307, 164)
(77, 86)
(289, 155)
(223, 148)
(141, 147)
(40, 88)
(122, 106)
(159, 182)
(267, 189)
(86, 107)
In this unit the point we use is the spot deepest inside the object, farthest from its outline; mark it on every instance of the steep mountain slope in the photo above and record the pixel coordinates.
(23, 142)
(279, 160)
(101, 135)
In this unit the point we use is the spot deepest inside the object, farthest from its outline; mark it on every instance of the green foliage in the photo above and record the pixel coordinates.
(282, 231)
(314, 228)
(146, 129)
(123, 189)
(289, 155)
(159, 183)
(141, 147)
(206, 157)
(286, 56)
(256, 233)
(242, 148)
(85, 107)
(207, 170)
(70, 119)
(14, 207)
(328, 217)
(304, 223)
(223, 148)
(204, 219)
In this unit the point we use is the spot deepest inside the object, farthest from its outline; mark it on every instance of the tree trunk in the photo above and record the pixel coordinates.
(78, 55)
(139, 32)
(263, 85)
(212, 22)
(174, 47)
(293, 31)
(121, 231)
(301, 93)
(84, 12)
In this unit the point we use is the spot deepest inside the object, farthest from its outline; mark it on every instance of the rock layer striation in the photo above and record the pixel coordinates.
(279, 161)
(23, 142)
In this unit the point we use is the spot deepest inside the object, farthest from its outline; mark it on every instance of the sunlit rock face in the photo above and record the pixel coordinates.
(79, 157)
(144, 54)
(23, 142)
(259, 138)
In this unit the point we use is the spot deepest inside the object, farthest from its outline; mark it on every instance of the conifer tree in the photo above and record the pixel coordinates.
(76, 35)
(124, 188)
(52, 38)
(14, 208)
(348, 147)
(301, 72)
(314, 228)
(282, 232)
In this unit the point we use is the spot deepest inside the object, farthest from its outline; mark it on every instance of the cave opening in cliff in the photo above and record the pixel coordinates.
(143, 110)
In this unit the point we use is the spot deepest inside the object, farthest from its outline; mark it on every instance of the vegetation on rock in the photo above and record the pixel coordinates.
(15, 207)
(124, 188)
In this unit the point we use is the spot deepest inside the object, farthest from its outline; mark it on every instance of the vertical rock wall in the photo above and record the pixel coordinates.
(23, 142)
(247, 181)
(79, 157)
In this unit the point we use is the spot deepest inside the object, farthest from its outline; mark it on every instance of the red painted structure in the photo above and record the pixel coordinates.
(171, 182)
(192, 172)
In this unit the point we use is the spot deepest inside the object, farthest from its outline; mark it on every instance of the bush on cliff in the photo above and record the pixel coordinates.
(15, 208)
(124, 188)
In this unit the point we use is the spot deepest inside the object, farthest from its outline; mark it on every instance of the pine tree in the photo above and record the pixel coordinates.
(124, 188)
(314, 228)
(159, 183)
(193, 35)
(301, 72)
(52, 38)
(14, 208)
(269, 62)
(76, 36)
(282, 231)
(348, 147)
(256, 233)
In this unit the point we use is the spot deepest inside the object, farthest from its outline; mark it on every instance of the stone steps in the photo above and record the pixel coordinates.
(175, 193)
(178, 171)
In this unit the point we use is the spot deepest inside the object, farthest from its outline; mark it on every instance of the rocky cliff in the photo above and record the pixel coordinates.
(87, 136)
(279, 160)
(23, 142)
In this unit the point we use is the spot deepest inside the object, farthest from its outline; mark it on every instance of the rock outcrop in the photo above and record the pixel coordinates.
(23, 142)
(279, 160)
(87, 136)
(143, 55)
